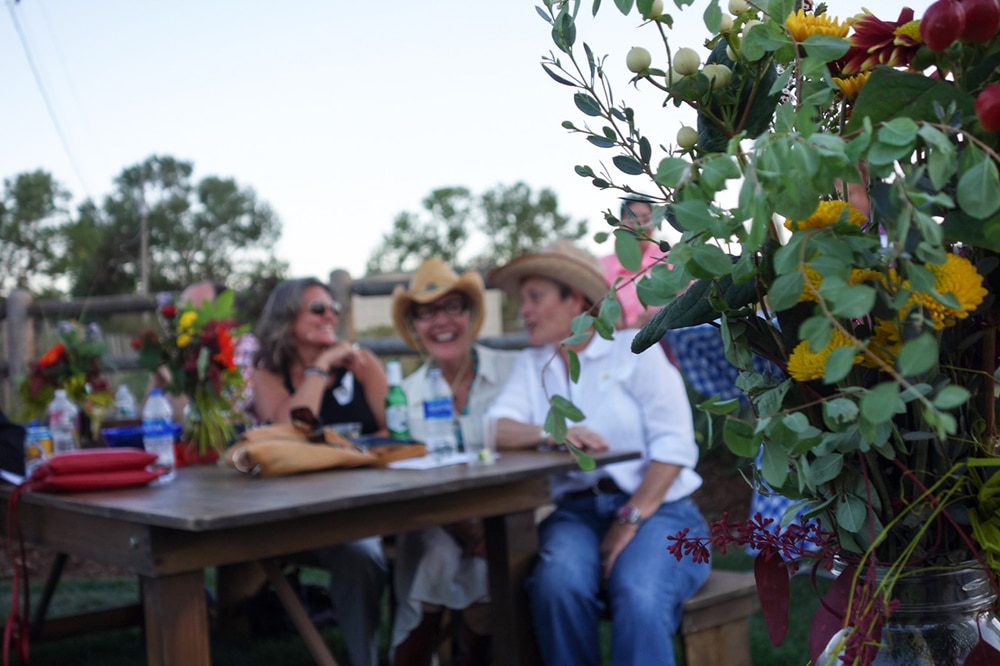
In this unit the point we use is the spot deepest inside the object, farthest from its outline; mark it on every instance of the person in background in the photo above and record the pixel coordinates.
(636, 214)
(302, 363)
(440, 314)
(604, 546)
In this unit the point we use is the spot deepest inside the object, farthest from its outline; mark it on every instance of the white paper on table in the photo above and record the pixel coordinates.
(430, 461)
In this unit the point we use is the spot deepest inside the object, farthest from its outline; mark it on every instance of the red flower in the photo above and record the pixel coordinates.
(227, 348)
(169, 311)
(52, 356)
(878, 42)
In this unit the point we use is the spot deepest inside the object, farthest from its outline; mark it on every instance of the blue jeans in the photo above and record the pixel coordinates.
(645, 593)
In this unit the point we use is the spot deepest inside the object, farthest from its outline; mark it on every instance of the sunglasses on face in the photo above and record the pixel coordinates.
(427, 311)
(319, 308)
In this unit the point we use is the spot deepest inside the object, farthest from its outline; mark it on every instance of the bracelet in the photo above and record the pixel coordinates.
(544, 437)
(319, 372)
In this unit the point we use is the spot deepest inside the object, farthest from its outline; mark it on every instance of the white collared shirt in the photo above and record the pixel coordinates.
(636, 402)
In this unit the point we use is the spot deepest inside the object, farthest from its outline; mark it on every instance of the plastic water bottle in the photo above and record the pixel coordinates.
(124, 402)
(439, 416)
(397, 414)
(158, 432)
(61, 417)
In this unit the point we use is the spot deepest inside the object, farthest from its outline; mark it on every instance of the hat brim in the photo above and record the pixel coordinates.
(470, 283)
(553, 266)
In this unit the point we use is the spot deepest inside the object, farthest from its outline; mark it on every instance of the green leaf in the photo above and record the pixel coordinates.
(854, 302)
(628, 165)
(712, 261)
(839, 363)
(671, 171)
(898, 132)
(574, 365)
(979, 190)
(826, 47)
(557, 78)
(567, 409)
(628, 249)
(555, 425)
(587, 104)
(892, 94)
(786, 291)
(839, 412)
(611, 311)
(624, 6)
(739, 438)
(774, 466)
(817, 330)
(918, 355)
(826, 468)
(941, 156)
(880, 403)
(951, 396)
(851, 513)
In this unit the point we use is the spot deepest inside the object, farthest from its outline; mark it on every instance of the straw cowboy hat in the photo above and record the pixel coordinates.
(432, 280)
(560, 261)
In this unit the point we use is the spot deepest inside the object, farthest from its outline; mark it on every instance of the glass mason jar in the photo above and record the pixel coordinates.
(939, 620)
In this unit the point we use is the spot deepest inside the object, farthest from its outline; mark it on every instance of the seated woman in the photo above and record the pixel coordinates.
(440, 315)
(604, 546)
(302, 363)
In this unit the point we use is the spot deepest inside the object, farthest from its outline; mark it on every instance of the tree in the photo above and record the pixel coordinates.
(210, 230)
(441, 232)
(509, 222)
(32, 215)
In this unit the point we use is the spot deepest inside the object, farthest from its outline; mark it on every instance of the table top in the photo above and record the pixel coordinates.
(212, 497)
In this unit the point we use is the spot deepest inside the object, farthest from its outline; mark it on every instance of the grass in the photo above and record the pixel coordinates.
(126, 648)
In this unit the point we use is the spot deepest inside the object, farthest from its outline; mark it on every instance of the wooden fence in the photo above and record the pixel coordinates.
(21, 318)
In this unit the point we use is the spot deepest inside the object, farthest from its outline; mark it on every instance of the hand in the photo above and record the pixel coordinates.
(586, 439)
(615, 540)
(340, 355)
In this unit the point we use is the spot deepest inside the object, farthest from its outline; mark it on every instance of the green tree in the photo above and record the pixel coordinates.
(32, 215)
(507, 221)
(210, 230)
(442, 230)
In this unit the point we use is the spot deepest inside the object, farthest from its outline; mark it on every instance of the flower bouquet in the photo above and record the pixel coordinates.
(74, 364)
(838, 206)
(193, 356)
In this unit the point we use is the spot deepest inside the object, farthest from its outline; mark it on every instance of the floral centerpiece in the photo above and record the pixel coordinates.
(73, 363)
(838, 205)
(193, 356)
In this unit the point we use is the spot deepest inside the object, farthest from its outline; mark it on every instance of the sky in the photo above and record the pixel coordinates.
(339, 115)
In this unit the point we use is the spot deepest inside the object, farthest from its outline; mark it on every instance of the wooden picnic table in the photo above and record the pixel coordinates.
(211, 515)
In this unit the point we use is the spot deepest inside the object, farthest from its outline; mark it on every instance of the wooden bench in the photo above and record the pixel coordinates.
(715, 627)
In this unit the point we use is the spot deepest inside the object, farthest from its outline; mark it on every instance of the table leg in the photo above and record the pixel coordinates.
(511, 548)
(176, 620)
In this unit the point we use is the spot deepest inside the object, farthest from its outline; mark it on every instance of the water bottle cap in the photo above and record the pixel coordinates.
(394, 373)
(156, 391)
(60, 393)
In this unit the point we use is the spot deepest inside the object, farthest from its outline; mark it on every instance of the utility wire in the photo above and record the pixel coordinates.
(45, 95)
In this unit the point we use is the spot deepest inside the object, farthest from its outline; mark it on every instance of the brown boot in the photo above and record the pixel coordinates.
(417, 649)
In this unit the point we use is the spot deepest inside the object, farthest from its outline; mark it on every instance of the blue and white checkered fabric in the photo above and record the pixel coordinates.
(700, 353)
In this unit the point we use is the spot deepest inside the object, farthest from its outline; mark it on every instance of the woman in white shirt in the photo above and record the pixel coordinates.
(604, 547)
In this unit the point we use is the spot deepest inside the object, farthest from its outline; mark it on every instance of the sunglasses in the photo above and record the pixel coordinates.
(319, 308)
(306, 422)
(427, 311)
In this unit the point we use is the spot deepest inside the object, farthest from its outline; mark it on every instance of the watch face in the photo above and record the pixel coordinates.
(628, 514)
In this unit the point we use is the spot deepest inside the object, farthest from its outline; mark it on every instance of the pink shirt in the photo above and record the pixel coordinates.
(627, 295)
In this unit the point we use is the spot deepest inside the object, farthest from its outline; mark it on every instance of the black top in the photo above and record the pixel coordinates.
(351, 405)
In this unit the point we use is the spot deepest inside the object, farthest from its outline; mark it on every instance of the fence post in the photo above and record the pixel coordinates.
(340, 285)
(20, 340)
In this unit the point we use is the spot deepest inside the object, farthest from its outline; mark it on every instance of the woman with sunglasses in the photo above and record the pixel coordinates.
(301, 363)
(439, 314)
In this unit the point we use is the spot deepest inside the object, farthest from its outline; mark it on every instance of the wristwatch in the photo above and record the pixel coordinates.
(629, 515)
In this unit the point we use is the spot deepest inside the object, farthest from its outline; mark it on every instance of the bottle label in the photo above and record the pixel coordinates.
(438, 408)
(397, 419)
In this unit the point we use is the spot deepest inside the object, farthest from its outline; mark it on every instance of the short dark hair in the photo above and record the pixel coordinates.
(627, 201)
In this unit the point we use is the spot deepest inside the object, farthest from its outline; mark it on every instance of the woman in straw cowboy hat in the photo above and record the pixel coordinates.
(603, 548)
(440, 314)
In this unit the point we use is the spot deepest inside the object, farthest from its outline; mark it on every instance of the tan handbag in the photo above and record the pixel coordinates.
(279, 450)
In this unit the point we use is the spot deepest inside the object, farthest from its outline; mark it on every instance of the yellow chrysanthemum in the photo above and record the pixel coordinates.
(811, 284)
(806, 365)
(852, 85)
(187, 320)
(956, 276)
(885, 343)
(826, 214)
(183, 340)
(802, 26)
(862, 275)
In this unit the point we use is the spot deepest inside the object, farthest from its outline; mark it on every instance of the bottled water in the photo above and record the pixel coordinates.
(397, 415)
(439, 416)
(124, 402)
(62, 420)
(158, 432)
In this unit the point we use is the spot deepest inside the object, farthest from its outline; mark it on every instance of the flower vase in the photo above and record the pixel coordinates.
(941, 617)
(193, 449)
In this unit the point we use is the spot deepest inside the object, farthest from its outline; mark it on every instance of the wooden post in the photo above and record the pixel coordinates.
(340, 285)
(20, 342)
